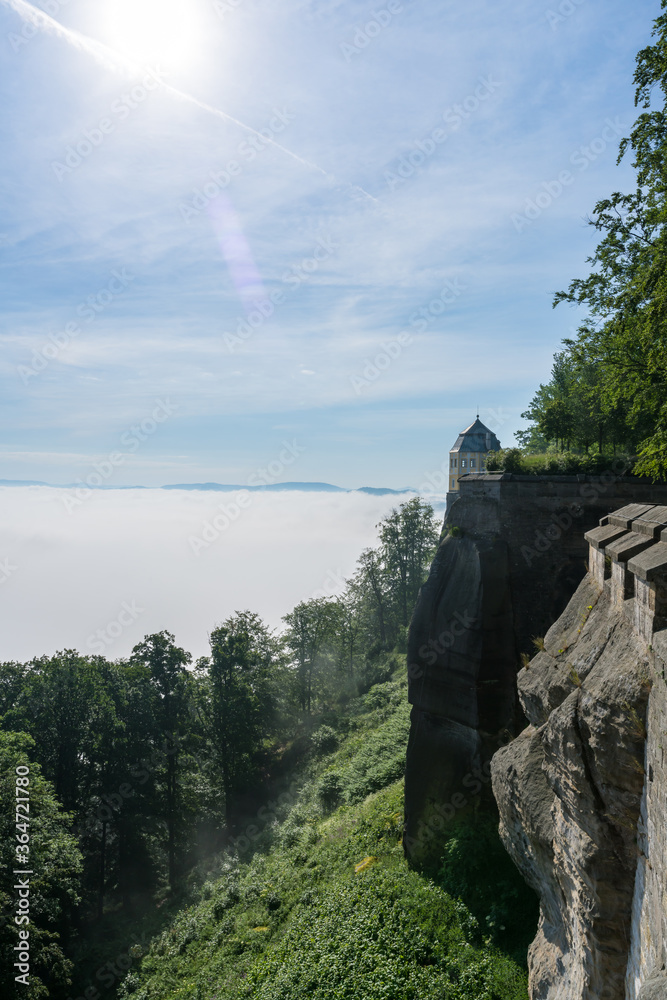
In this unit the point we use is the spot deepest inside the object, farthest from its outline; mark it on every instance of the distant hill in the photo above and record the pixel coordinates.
(222, 487)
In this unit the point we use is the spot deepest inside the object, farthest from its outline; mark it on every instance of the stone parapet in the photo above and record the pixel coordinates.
(625, 548)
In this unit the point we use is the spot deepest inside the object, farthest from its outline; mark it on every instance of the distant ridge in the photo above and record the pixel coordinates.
(219, 487)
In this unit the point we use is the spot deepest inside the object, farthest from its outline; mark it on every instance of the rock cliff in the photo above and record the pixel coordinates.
(581, 791)
(513, 556)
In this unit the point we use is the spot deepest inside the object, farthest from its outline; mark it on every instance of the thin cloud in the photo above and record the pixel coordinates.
(111, 59)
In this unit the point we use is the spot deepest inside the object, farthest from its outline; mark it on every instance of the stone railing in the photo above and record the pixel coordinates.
(629, 548)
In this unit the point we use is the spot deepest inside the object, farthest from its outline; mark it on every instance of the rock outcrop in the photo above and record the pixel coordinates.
(582, 790)
(513, 556)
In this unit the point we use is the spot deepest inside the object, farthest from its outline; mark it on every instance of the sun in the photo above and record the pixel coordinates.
(154, 32)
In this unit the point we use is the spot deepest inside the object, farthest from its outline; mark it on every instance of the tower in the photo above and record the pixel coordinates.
(469, 451)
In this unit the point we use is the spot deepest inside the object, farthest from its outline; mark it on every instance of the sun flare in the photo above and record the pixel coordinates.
(154, 32)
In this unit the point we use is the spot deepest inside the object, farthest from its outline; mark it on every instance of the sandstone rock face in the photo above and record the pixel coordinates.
(648, 945)
(504, 576)
(654, 988)
(462, 707)
(569, 791)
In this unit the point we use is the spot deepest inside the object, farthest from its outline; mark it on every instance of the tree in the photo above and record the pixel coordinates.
(625, 336)
(55, 866)
(311, 631)
(59, 705)
(409, 537)
(166, 662)
(238, 705)
(372, 581)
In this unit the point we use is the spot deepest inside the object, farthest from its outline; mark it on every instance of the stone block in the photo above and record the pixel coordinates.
(597, 565)
(602, 536)
(622, 583)
(621, 550)
(652, 523)
(624, 517)
(651, 563)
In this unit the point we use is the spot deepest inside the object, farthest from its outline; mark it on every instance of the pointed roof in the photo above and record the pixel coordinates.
(477, 438)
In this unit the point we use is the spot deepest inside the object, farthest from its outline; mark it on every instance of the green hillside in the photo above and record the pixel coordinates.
(326, 906)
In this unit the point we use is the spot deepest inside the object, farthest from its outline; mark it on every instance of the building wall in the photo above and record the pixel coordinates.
(466, 462)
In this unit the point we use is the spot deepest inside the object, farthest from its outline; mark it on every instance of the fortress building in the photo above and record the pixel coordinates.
(469, 451)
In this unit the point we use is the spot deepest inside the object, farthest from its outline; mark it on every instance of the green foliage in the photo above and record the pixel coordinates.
(565, 463)
(342, 918)
(330, 790)
(379, 758)
(505, 460)
(477, 869)
(236, 701)
(324, 740)
(609, 385)
(382, 935)
(55, 863)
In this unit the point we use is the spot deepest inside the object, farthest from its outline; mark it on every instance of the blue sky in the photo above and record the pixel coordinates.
(361, 197)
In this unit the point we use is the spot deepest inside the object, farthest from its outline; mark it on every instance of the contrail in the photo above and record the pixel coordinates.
(116, 61)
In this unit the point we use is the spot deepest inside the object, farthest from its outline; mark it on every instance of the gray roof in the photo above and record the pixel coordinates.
(477, 437)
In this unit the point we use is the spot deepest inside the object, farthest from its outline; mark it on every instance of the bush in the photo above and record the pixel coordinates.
(505, 460)
(565, 463)
(330, 790)
(324, 741)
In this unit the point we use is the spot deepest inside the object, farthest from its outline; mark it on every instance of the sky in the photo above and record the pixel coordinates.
(238, 230)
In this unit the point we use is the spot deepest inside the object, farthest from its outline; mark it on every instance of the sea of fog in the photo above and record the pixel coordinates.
(99, 574)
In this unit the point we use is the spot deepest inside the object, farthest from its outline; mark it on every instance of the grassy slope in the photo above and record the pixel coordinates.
(327, 907)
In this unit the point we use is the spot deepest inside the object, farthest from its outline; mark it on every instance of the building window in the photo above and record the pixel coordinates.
(453, 484)
(454, 463)
(472, 463)
(463, 463)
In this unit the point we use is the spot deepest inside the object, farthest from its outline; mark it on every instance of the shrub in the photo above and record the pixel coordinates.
(324, 741)
(477, 869)
(330, 790)
(565, 463)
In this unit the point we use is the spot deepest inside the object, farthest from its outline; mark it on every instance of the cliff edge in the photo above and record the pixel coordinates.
(582, 791)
